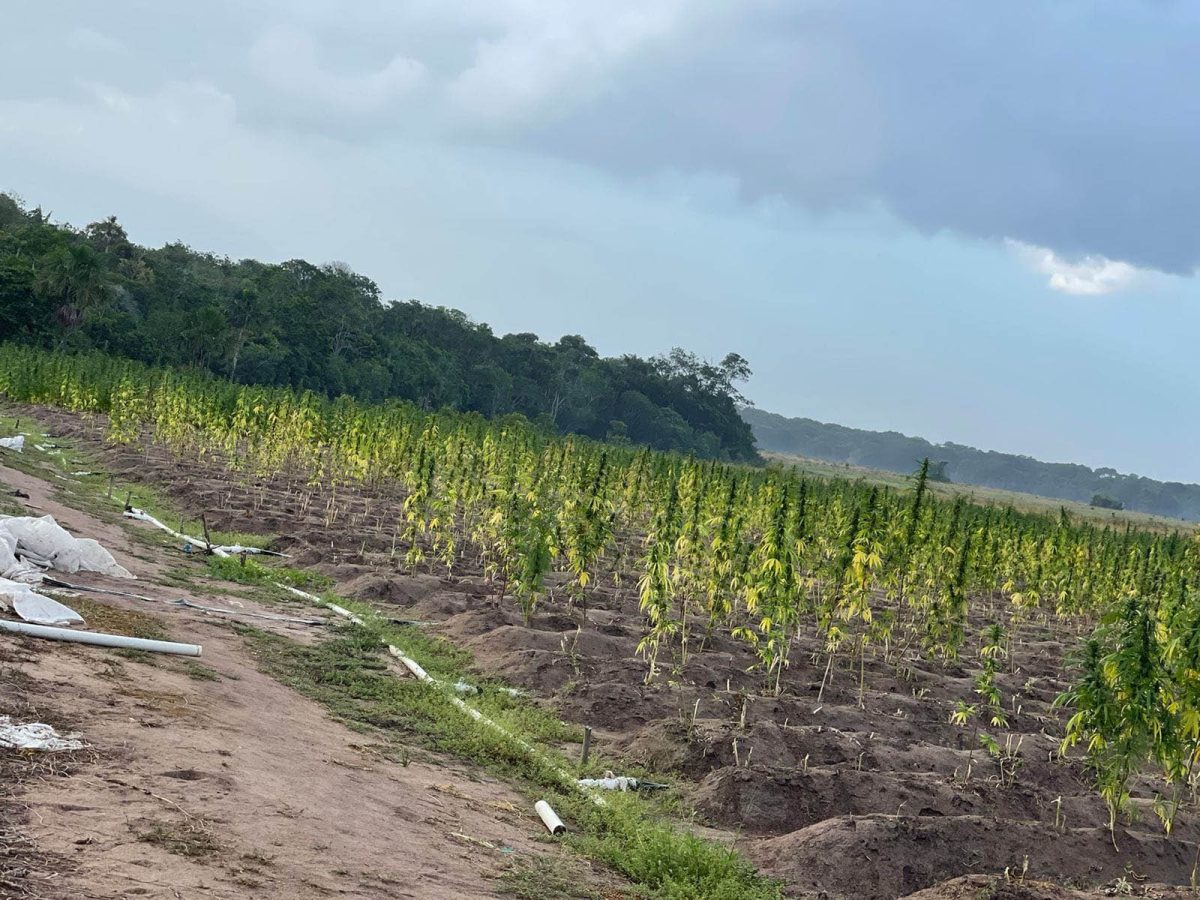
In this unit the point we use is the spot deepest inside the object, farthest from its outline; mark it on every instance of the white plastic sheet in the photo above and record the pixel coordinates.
(610, 783)
(26, 573)
(13, 443)
(34, 607)
(30, 544)
(43, 539)
(35, 736)
(8, 551)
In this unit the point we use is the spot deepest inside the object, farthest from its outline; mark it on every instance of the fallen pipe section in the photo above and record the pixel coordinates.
(132, 512)
(99, 639)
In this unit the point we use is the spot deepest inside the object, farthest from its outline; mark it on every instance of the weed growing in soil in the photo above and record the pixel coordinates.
(541, 878)
(673, 864)
(192, 838)
(251, 572)
(113, 620)
(198, 672)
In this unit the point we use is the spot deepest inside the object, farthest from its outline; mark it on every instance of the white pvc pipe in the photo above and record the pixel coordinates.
(141, 516)
(420, 674)
(313, 598)
(413, 666)
(99, 639)
(549, 818)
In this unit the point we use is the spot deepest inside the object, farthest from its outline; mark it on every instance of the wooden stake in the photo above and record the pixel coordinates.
(207, 540)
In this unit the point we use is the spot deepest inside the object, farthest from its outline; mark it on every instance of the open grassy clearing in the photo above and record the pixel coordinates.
(1033, 503)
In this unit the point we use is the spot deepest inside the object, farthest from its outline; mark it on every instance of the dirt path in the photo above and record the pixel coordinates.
(214, 780)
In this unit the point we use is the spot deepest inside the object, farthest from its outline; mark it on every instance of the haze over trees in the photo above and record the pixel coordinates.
(328, 329)
(897, 452)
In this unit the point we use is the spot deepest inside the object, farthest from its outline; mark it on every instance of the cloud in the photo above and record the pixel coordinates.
(145, 140)
(288, 59)
(1066, 126)
(545, 49)
(86, 39)
(982, 122)
(1088, 276)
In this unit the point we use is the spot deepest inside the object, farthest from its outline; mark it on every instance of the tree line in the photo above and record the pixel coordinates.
(328, 329)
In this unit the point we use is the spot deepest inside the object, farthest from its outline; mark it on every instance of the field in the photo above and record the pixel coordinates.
(853, 685)
(1033, 503)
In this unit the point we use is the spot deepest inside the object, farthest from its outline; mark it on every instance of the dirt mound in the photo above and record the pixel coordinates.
(783, 800)
(997, 887)
(661, 747)
(372, 585)
(888, 856)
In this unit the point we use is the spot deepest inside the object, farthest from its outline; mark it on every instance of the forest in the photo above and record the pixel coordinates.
(327, 329)
(897, 452)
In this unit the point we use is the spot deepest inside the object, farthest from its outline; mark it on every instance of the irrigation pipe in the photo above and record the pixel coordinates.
(238, 550)
(99, 639)
(235, 613)
(549, 818)
(320, 601)
(409, 663)
(420, 674)
(133, 512)
(273, 617)
(47, 581)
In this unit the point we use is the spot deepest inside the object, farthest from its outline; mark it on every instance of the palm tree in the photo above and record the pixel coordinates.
(75, 277)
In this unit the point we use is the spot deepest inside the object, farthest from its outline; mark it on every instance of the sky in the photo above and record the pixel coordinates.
(968, 222)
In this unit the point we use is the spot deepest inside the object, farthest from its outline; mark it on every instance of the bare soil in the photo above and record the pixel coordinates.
(207, 778)
(836, 798)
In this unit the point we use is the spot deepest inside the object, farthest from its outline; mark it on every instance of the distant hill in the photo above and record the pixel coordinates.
(897, 452)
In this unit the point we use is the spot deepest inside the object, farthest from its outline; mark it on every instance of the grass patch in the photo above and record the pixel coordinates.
(352, 676)
(241, 539)
(192, 838)
(198, 672)
(250, 571)
(112, 619)
(672, 864)
(543, 878)
(9, 506)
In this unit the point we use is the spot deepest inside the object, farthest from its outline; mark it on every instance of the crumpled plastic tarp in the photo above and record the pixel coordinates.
(610, 783)
(28, 545)
(34, 607)
(13, 443)
(35, 736)
(42, 540)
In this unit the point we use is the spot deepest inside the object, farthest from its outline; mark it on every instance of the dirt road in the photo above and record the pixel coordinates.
(211, 779)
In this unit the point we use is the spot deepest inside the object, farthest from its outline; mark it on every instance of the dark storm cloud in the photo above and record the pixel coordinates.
(1067, 125)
